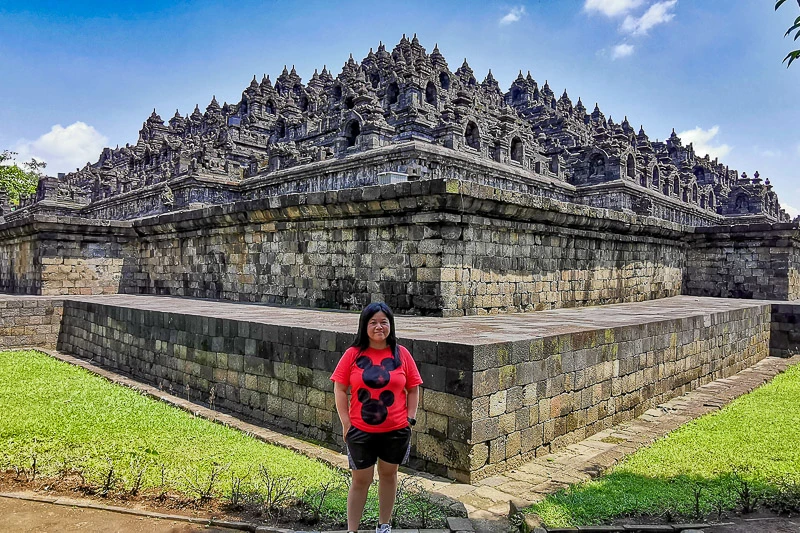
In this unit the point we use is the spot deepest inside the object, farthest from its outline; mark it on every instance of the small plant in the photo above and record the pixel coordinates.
(316, 499)
(204, 489)
(746, 495)
(33, 471)
(138, 469)
(416, 506)
(109, 479)
(719, 502)
(238, 490)
(275, 491)
(697, 489)
(786, 500)
(68, 468)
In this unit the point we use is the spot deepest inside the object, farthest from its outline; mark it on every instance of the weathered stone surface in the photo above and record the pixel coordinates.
(465, 437)
(315, 137)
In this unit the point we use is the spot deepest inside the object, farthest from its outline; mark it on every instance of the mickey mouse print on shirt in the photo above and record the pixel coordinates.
(378, 380)
(374, 412)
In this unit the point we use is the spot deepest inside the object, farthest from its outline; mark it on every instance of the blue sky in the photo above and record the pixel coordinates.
(83, 75)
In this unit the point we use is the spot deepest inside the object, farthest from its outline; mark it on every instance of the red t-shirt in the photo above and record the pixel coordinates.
(378, 383)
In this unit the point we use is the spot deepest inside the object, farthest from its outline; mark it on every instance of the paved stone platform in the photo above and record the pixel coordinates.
(471, 330)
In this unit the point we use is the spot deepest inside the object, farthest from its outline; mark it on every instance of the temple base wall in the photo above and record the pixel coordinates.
(488, 403)
(430, 247)
(535, 396)
(760, 261)
(30, 321)
(498, 390)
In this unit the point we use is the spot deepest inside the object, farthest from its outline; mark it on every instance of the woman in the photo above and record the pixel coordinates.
(376, 422)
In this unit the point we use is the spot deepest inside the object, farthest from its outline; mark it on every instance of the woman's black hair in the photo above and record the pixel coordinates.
(362, 339)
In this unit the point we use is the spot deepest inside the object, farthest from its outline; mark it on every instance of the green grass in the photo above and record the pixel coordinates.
(755, 439)
(68, 417)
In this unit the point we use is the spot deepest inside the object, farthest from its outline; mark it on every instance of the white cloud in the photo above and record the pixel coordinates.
(63, 149)
(702, 141)
(513, 16)
(611, 8)
(621, 50)
(658, 13)
(791, 210)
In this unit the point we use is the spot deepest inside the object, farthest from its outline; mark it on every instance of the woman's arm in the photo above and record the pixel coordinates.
(412, 401)
(342, 405)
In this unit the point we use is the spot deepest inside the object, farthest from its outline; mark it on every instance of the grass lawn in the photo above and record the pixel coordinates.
(755, 441)
(70, 418)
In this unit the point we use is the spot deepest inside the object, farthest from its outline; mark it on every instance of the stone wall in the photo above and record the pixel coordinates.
(497, 390)
(32, 321)
(534, 396)
(273, 373)
(53, 256)
(19, 272)
(760, 261)
(630, 197)
(785, 330)
(489, 266)
(434, 247)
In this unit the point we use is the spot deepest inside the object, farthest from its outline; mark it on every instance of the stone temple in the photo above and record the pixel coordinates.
(404, 181)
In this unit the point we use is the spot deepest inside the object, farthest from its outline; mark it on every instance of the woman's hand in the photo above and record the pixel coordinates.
(342, 404)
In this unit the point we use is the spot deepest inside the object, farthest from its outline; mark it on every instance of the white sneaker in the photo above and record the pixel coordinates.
(383, 528)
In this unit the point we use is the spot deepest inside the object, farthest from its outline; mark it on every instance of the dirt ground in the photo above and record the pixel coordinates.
(33, 517)
(757, 523)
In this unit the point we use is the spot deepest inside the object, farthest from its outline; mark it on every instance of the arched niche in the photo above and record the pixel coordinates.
(351, 132)
(517, 150)
(430, 93)
(444, 80)
(392, 93)
(472, 136)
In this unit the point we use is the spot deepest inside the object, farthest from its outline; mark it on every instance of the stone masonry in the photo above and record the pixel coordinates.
(433, 247)
(28, 322)
(50, 255)
(754, 261)
(498, 390)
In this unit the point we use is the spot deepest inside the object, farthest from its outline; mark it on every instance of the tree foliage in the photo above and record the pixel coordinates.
(18, 180)
(794, 29)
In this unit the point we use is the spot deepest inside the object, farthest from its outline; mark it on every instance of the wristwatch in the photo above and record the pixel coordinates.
(412, 421)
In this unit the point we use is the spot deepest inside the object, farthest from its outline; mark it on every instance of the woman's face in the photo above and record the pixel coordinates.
(378, 328)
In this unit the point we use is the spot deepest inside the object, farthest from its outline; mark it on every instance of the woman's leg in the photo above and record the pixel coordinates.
(387, 490)
(357, 496)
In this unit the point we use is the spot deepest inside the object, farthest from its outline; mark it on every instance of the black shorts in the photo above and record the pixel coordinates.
(364, 449)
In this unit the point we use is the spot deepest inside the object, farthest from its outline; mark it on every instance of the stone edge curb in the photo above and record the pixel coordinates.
(531, 524)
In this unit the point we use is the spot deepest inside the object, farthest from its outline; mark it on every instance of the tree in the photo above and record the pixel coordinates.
(795, 54)
(16, 180)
